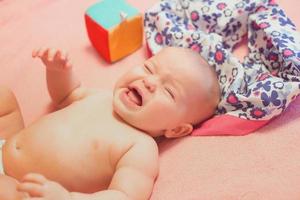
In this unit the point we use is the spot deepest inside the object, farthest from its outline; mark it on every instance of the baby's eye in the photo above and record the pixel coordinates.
(148, 69)
(170, 92)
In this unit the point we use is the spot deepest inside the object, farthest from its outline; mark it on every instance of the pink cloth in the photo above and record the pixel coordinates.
(263, 165)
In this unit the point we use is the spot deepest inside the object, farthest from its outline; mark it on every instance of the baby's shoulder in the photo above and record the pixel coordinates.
(135, 146)
(142, 156)
(146, 141)
(145, 145)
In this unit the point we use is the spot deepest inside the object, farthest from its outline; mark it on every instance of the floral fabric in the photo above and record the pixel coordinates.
(267, 81)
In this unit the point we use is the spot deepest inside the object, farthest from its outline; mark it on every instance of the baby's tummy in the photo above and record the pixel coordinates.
(74, 159)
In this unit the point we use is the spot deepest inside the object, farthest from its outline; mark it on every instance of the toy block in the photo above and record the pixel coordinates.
(114, 28)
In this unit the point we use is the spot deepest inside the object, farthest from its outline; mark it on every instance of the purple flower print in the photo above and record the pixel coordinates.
(267, 100)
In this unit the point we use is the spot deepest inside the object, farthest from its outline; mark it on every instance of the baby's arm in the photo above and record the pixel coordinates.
(61, 80)
(133, 179)
(134, 176)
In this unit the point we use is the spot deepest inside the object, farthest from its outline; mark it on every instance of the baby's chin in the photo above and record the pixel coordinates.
(137, 125)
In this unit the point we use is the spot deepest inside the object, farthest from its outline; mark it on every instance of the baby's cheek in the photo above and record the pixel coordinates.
(131, 76)
(159, 115)
(164, 109)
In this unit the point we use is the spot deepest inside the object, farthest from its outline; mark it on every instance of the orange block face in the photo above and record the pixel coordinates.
(125, 38)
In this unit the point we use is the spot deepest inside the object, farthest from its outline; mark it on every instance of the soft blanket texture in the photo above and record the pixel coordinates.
(261, 166)
(253, 91)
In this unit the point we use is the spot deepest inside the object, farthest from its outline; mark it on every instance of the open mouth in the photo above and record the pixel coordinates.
(135, 96)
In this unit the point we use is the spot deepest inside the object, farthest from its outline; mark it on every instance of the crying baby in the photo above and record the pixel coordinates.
(100, 144)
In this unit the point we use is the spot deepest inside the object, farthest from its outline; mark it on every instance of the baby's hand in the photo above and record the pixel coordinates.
(38, 187)
(54, 59)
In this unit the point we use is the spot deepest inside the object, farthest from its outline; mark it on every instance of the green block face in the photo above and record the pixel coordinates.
(107, 12)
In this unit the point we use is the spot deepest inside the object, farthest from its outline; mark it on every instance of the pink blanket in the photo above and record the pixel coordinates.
(264, 165)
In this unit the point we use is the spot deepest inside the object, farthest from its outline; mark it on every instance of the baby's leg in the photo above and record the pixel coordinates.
(11, 120)
(8, 189)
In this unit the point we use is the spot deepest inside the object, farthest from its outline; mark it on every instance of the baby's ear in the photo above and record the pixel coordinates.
(179, 131)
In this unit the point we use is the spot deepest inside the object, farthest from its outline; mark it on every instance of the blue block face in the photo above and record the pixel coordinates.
(107, 12)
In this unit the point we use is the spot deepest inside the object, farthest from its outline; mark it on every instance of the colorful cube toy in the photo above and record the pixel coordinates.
(114, 28)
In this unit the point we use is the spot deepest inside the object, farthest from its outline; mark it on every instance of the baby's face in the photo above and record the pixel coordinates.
(165, 92)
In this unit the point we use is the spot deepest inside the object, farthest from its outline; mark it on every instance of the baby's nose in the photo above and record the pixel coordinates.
(150, 83)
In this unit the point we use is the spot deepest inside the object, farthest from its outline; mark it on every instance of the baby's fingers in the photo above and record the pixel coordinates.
(34, 53)
(42, 52)
(47, 54)
(34, 178)
(52, 53)
(33, 189)
(63, 55)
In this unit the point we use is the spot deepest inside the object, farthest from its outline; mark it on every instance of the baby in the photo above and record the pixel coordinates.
(98, 145)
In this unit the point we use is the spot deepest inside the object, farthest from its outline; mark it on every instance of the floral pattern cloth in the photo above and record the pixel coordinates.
(268, 79)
